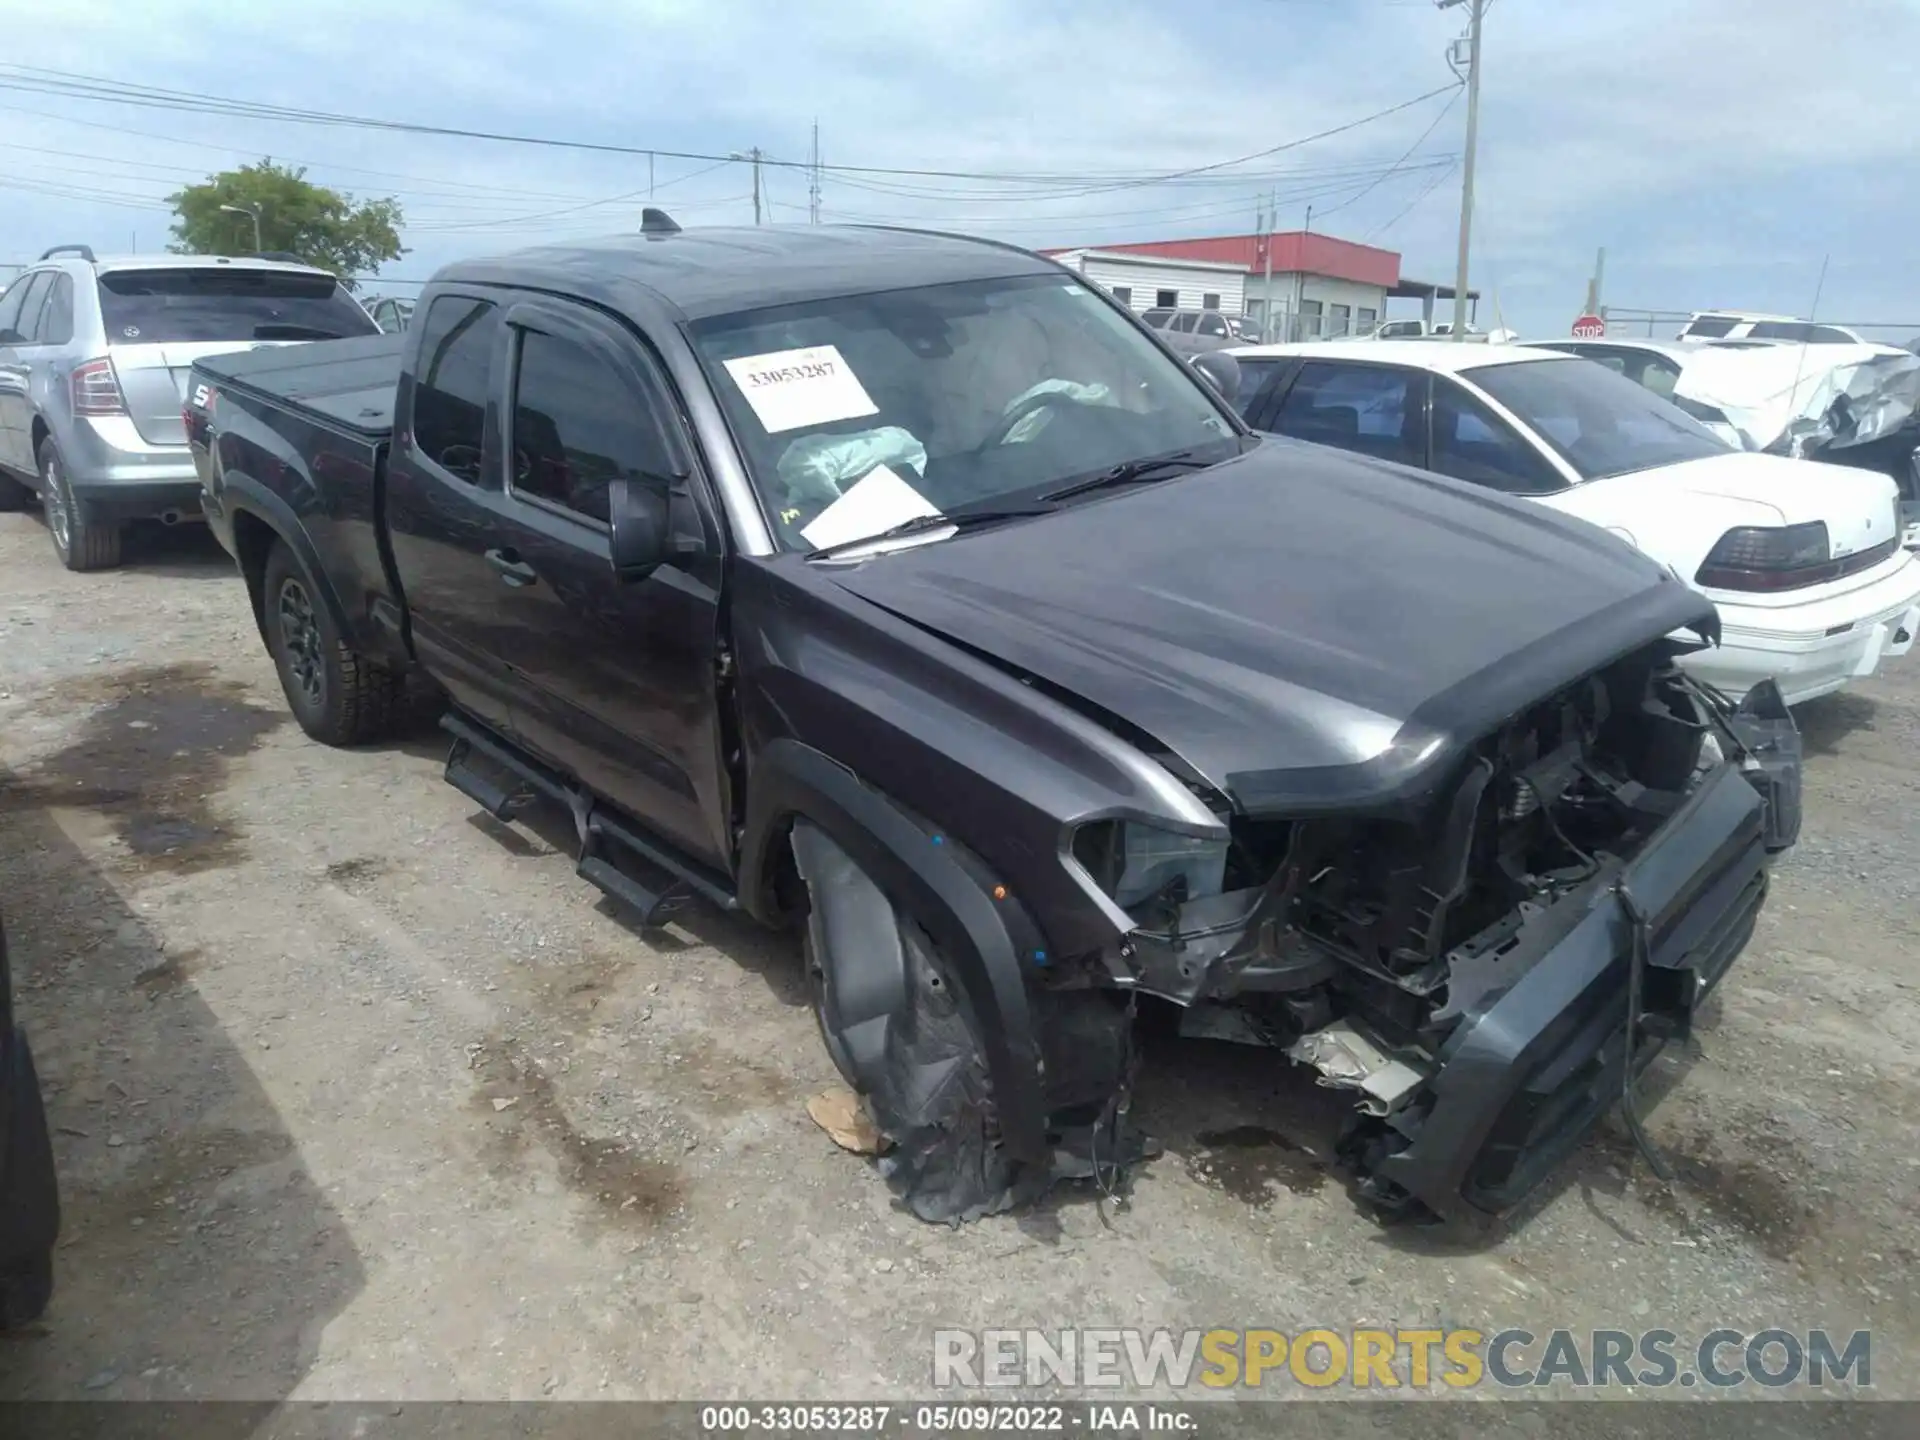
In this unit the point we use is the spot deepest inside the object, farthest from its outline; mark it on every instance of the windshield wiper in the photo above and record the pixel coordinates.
(963, 520)
(1157, 467)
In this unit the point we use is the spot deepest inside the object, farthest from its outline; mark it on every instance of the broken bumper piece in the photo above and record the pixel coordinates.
(1537, 1055)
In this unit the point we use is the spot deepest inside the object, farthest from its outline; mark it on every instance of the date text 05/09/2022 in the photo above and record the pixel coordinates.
(948, 1419)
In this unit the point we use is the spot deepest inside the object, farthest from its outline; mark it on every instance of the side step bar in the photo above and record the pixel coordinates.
(602, 836)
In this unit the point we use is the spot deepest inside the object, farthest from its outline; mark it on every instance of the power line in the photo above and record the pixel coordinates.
(33, 79)
(1195, 210)
(1401, 164)
(250, 150)
(647, 190)
(1431, 186)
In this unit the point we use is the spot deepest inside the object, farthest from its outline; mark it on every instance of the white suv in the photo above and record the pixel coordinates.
(1748, 325)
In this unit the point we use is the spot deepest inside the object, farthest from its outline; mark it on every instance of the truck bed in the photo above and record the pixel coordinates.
(344, 384)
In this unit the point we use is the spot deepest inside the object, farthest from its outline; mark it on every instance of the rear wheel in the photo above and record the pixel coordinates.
(339, 696)
(81, 539)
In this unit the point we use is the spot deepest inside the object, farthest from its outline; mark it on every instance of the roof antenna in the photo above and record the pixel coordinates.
(655, 221)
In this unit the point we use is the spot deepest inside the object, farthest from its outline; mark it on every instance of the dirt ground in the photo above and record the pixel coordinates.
(360, 1095)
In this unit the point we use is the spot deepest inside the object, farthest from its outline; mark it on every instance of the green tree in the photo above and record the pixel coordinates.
(323, 227)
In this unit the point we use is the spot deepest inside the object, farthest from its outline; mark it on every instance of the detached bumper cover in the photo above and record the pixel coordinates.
(1538, 1056)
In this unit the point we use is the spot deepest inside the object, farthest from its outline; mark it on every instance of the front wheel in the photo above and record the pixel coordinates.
(80, 539)
(339, 696)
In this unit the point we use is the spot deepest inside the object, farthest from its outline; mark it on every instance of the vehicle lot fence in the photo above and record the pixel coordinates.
(1628, 321)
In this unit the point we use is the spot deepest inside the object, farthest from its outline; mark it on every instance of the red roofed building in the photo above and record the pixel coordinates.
(1292, 285)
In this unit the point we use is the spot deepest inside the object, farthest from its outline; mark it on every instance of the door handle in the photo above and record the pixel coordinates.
(513, 570)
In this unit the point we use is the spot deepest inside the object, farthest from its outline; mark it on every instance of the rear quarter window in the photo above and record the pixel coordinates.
(180, 305)
(1711, 327)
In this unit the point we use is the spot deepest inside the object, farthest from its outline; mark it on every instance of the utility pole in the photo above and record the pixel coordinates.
(1476, 10)
(753, 156)
(649, 174)
(813, 181)
(1266, 286)
(1593, 285)
(1300, 284)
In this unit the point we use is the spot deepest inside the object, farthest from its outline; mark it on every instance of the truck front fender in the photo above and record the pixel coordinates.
(935, 883)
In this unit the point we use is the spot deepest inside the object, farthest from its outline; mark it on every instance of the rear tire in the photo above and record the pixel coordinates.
(80, 539)
(339, 696)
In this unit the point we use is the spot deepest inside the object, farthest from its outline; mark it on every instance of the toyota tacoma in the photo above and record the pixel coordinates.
(904, 589)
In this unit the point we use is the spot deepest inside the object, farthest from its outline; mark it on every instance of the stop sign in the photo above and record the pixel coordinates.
(1589, 327)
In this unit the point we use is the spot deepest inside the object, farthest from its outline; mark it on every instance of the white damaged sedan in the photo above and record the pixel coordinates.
(1802, 559)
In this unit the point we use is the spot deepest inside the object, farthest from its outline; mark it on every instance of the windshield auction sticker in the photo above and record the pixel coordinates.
(789, 389)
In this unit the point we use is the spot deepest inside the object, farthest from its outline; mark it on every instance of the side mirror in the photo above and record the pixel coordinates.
(641, 541)
(1222, 372)
(12, 337)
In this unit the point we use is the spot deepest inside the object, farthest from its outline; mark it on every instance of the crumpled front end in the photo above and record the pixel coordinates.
(1487, 969)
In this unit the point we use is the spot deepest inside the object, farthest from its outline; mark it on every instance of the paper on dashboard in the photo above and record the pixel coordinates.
(878, 501)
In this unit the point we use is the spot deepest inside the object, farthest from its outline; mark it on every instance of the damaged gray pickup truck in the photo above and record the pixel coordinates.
(904, 589)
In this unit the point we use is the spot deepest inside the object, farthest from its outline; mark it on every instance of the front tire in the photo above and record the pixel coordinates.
(80, 538)
(339, 696)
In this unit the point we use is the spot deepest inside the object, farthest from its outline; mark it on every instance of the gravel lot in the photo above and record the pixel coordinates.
(361, 1095)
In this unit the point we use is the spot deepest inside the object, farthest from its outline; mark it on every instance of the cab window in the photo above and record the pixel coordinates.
(1472, 443)
(576, 428)
(451, 388)
(1372, 409)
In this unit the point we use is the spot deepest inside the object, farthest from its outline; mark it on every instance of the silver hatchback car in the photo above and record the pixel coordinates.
(94, 355)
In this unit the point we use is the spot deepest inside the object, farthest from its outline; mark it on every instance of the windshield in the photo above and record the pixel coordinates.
(943, 399)
(143, 307)
(1601, 423)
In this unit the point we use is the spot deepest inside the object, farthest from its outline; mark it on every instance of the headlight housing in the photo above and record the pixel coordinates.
(1133, 862)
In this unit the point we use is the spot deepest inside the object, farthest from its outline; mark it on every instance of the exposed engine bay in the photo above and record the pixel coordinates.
(1360, 944)
(1485, 967)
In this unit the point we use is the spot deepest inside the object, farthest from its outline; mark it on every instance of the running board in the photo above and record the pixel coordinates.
(602, 836)
(654, 907)
(495, 800)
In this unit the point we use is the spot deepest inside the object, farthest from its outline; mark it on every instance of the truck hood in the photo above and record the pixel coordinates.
(1306, 629)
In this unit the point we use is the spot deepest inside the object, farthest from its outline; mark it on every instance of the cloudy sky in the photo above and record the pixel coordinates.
(1720, 150)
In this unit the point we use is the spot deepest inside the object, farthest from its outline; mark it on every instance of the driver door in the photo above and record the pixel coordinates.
(615, 681)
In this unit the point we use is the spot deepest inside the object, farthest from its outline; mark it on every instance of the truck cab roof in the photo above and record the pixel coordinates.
(724, 269)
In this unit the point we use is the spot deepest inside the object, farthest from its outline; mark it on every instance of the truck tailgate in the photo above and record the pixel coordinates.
(342, 384)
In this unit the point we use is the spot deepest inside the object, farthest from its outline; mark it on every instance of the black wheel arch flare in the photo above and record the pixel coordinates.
(988, 941)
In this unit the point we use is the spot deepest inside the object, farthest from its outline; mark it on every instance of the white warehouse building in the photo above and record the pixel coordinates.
(1293, 286)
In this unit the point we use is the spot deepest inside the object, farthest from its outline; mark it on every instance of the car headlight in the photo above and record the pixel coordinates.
(1133, 862)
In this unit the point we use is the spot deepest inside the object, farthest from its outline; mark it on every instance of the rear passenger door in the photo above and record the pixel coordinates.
(614, 681)
(1377, 410)
(19, 316)
(440, 489)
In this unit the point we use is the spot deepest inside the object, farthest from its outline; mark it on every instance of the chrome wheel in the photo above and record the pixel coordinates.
(54, 502)
(300, 642)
